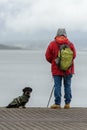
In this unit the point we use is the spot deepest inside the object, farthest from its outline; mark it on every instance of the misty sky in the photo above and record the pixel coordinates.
(40, 19)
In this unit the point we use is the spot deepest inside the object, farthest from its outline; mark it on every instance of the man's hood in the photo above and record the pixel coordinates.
(61, 40)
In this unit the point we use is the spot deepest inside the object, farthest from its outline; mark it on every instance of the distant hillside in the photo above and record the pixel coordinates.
(24, 45)
(8, 47)
(31, 45)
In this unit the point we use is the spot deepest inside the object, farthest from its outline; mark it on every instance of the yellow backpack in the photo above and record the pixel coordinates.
(65, 57)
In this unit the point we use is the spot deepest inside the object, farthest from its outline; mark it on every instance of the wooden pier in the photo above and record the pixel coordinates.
(43, 119)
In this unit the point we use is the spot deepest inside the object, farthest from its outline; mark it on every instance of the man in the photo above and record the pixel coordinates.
(58, 74)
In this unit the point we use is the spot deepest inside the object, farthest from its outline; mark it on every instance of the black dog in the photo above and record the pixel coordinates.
(21, 100)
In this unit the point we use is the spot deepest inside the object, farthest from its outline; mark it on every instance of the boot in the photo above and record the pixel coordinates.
(55, 106)
(67, 106)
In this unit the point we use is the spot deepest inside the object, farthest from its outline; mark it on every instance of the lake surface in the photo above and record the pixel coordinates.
(29, 68)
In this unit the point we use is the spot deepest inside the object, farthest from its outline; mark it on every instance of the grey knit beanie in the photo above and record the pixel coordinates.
(61, 31)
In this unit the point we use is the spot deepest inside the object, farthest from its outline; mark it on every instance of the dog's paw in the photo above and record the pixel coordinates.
(22, 107)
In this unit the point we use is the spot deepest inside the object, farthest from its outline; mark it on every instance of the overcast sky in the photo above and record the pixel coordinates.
(34, 19)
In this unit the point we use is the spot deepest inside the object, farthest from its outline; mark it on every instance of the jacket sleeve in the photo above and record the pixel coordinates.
(48, 54)
(74, 50)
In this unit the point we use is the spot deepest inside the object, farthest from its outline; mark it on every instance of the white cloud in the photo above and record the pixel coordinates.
(3, 1)
(30, 16)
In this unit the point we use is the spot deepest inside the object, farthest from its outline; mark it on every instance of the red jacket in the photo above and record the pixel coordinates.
(52, 53)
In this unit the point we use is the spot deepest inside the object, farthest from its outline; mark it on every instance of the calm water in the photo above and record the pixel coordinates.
(29, 68)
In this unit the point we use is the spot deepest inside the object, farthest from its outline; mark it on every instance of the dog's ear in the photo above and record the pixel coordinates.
(30, 89)
(27, 89)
